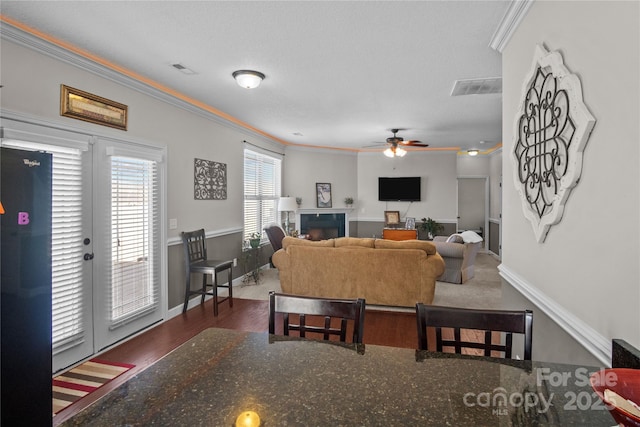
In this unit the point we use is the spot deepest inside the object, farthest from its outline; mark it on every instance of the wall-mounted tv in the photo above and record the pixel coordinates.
(399, 189)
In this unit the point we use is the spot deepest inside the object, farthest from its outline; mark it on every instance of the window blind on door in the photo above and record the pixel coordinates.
(135, 239)
(262, 176)
(66, 245)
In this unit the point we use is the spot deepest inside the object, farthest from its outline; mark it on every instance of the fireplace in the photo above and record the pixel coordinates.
(321, 225)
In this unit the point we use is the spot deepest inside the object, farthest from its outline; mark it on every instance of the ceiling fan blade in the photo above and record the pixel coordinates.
(374, 145)
(415, 143)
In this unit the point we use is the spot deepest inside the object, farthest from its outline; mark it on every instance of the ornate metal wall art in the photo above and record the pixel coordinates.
(209, 180)
(552, 129)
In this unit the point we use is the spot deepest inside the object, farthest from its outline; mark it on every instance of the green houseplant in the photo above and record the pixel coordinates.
(348, 201)
(254, 240)
(431, 227)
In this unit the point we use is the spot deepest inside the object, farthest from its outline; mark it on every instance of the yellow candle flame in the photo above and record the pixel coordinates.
(248, 419)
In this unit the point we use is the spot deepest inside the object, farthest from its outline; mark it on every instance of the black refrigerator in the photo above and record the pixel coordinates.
(25, 270)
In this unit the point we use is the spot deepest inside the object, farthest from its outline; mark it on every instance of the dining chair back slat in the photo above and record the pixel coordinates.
(488, 321)
(329, 308)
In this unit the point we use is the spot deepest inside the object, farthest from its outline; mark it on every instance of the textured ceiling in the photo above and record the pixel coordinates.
(341, 74)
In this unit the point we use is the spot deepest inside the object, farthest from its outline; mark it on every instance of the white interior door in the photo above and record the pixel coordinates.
(472, 204)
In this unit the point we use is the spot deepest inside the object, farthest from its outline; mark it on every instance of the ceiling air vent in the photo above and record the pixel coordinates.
(477, 86)
(182, 68)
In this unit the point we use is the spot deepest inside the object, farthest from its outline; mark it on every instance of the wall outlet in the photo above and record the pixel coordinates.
(235, 262)
(173, 223)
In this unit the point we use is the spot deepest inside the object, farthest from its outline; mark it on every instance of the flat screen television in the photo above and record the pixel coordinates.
(399, 189)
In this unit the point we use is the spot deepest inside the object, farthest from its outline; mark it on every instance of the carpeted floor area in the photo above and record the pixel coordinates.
(483, 291)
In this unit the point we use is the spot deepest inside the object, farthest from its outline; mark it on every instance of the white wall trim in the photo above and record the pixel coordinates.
(509, 23)
(193, 302)
(596, 344)
(208, 234)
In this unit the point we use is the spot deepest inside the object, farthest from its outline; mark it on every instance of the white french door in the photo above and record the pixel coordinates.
(106, 237)
(128, 222)
(71, 243)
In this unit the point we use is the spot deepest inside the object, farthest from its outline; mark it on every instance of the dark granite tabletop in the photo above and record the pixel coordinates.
(220, 373)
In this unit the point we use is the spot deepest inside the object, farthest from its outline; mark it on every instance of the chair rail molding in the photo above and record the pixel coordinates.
(589, 338)
(551, 130)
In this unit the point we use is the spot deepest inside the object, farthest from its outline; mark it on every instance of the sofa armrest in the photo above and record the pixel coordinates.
(450, 250)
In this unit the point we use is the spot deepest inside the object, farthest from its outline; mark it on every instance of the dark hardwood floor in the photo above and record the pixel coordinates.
(396, 329)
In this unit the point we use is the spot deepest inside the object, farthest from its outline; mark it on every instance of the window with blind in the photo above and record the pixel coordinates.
(134, 238)
(262, 176)
(66, 244)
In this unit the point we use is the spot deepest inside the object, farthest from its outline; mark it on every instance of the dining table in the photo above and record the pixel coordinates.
(220, 375)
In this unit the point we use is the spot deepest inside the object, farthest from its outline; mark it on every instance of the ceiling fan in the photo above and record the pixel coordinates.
(396, 142)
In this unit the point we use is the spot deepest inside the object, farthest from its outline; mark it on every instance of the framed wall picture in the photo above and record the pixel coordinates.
(81, 105)
(391, 217)
(410, 223)
(323, 194)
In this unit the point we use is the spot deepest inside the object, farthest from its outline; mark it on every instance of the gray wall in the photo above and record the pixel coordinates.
(31, 87)
(584, 279)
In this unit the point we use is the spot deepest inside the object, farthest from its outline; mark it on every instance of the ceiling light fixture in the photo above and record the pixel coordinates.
(472, 152)
(394, 151)
(248, 79)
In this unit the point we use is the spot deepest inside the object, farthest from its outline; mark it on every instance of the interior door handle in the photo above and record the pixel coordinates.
(88, 257)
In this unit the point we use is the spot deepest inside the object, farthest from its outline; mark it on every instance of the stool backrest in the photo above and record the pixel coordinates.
(489, 321)
(195, 248)
(330, 308)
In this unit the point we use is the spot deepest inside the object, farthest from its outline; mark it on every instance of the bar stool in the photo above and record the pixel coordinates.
(195, 256)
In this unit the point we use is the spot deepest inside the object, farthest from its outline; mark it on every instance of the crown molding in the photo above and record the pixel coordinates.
(509, 23)
(23, 38)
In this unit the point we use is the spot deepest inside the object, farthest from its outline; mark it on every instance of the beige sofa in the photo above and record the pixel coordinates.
(459, 259)
(383, 272)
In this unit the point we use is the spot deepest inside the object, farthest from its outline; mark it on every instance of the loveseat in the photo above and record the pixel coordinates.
(383, 272)
(459, 253)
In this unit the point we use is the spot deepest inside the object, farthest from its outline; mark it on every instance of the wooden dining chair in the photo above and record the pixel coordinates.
(196, 262)
(329, 308)
(508, 322)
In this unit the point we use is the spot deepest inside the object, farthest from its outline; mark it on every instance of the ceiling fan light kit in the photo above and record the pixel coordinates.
(248, 79)
(394, 150)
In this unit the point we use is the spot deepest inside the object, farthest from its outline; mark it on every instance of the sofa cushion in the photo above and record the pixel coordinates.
(365, 242)
(294, 241)
(455, 238)
(426, 246)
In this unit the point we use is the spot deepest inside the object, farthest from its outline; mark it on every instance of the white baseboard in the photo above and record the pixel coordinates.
(193, 302)
(585, 335)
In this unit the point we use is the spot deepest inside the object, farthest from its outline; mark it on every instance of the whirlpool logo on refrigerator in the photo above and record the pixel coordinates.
(31, 163)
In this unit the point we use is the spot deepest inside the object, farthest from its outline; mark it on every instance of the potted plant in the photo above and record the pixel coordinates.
(431, 227)
(254, 240)
(348, 201)
(299, 201)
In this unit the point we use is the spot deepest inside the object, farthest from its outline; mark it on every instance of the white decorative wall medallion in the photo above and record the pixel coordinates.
(551, 130)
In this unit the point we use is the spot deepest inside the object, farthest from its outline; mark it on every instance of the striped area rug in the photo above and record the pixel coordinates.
(83, 379)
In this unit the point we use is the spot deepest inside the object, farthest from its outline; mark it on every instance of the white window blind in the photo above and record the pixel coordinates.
(262, 175)
(135, 239)
(66, 246)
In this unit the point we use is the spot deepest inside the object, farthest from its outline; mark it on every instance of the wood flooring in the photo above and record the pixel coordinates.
(396, 329)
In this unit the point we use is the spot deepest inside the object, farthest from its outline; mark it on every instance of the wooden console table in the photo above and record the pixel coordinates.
(399, 234)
